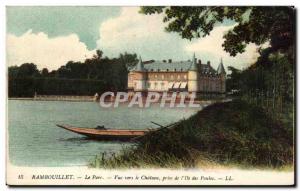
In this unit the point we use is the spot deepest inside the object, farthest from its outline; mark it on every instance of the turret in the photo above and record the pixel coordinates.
(140, 77)
(193, 76)
(140, 65)
(194, 64)
(222, 73)
(221, 69)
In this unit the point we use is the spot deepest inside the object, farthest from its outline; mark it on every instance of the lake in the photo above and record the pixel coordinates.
(35, 140)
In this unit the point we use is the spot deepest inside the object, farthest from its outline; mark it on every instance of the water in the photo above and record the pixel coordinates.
(35, 140)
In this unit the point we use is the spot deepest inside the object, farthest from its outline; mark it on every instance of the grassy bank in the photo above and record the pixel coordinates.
(231, 133)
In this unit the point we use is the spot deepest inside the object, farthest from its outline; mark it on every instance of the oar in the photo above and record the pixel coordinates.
(164, 126)
(156, 124)
(161, 128)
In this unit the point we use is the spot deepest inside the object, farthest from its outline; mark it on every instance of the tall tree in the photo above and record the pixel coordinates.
(253, 24)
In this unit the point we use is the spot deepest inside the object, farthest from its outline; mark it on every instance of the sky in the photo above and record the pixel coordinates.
(51, 36)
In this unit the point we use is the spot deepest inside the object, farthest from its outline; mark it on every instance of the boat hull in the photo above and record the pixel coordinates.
(108, 134)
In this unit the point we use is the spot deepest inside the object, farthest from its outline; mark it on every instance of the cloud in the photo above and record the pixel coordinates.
(145, 35)
(130, 31)
(138, 33)
(211, 46)
(45, 52)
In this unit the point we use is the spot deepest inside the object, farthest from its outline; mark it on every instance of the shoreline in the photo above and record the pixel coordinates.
(82, 99)
(56, 98)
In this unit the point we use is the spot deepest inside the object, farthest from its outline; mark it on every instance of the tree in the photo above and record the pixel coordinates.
(28, 70)
(253, 24)
(233, 79)
(99, 54)
(45, 72)
(13, 71)
(269, 82)
(128, 60)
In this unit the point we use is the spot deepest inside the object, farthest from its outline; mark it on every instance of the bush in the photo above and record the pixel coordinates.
(227, 133)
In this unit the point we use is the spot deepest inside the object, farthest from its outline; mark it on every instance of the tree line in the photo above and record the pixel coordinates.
(94, 75)
(269, 83)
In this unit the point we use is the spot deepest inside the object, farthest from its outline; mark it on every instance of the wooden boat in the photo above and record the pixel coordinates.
(106, 134)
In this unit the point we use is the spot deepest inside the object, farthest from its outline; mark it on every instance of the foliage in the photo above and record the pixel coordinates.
(25, 70)
(228, 133)
(233, 79)
(95, 74)
(26, 87)
(253, 24)
(269, 83)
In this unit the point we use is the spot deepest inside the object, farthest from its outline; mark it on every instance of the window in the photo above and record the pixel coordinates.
(172, 77)
(162, 76)
(184, 76)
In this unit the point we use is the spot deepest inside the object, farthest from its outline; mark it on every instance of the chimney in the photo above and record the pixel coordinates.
(199, 61)
(208, 63)
(170, 60)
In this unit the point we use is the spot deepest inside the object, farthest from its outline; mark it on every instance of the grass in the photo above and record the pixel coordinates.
(231, 133)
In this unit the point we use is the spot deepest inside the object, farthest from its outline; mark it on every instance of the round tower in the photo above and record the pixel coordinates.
(193, 76)
(221, 72)
(140, 77)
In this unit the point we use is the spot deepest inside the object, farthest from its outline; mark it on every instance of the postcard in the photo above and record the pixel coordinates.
(150, 95)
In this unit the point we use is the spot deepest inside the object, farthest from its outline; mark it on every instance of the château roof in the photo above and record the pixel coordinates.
(221, 69)
(165, 66)
(194, 64)
(178, 66)
(140, 65)
(207, 69)
(182, 66)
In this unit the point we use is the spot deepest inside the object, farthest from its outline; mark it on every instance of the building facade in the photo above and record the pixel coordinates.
(168, 76)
